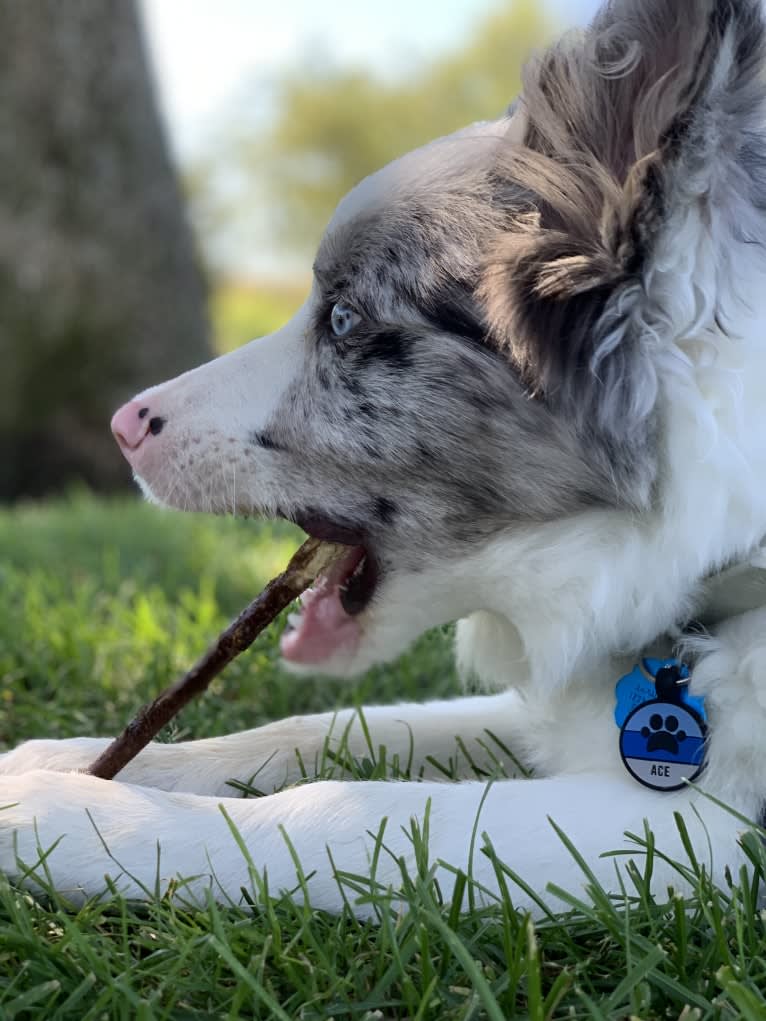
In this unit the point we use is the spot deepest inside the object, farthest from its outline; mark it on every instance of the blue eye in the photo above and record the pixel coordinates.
(343, 319)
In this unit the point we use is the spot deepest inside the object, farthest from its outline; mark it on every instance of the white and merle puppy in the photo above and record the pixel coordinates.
(529, 390)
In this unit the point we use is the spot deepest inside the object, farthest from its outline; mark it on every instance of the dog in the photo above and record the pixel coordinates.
(528, 393)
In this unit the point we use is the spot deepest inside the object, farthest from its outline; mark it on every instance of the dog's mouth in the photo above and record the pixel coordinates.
(328, 622)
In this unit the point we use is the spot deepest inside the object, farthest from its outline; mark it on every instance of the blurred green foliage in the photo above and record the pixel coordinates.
(242, 310)
(332, 126)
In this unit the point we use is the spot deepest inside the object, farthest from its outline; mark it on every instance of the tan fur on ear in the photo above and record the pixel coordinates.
(615, 118)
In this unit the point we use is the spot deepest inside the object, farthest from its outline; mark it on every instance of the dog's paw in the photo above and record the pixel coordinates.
(70, 831)
(85, 837)
(32, 806)
(166, 766)
(64, 756)
(267, 759)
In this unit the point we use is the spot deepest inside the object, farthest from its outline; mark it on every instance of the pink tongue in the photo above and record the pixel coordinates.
(324, 627)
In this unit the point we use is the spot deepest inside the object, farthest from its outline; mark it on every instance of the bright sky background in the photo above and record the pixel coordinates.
(206, 52)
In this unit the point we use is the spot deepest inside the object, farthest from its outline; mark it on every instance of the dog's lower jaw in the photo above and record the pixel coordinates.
(406, 604)
(382, 635)
(575, 596)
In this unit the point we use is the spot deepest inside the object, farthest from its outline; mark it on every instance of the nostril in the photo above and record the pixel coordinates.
(131, 424)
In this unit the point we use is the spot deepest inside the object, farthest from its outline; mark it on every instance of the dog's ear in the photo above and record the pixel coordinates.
(651, 116)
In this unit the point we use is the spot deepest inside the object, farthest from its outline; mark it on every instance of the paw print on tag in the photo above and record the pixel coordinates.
(663, 734)
(663, 744)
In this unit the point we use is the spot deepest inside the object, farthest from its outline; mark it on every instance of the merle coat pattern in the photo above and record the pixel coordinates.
(527, 389)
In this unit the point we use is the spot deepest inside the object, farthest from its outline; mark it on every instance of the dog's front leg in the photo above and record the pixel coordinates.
(145, 839)
(459, 737)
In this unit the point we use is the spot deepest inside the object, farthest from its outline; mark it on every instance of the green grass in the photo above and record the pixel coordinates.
(100, 606)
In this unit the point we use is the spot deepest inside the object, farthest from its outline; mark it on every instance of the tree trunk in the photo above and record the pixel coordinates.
(100, 292)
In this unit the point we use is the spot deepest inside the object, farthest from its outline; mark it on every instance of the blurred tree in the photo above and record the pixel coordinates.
(334, 126)
(100, 294)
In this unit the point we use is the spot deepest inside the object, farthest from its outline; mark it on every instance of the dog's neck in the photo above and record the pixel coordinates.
(566, 594)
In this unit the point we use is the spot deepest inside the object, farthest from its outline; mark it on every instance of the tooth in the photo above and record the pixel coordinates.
(293, 619)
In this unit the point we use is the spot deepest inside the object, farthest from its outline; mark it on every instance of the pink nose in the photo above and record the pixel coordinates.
(132, 423)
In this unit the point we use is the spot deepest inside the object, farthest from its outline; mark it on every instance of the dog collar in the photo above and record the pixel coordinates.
(662, 727)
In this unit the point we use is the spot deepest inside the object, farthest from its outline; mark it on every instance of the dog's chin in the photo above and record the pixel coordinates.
(339, 645)
(405, 604)
(148, 493)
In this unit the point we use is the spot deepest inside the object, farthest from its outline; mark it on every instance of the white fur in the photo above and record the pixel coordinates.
(570, 739)
(557, 612)
(116, 828)
(223, 393)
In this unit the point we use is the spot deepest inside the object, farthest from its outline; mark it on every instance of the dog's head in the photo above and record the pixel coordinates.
(479, 366)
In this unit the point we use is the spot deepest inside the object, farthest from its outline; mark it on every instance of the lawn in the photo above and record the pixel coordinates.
(101, 605)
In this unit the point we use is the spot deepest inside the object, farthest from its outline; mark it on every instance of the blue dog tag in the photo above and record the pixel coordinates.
(662, 726)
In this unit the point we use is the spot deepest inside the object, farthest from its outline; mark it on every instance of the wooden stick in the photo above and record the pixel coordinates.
(313, 557)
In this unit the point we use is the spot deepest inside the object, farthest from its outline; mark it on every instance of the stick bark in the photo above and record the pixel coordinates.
(312, 557)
